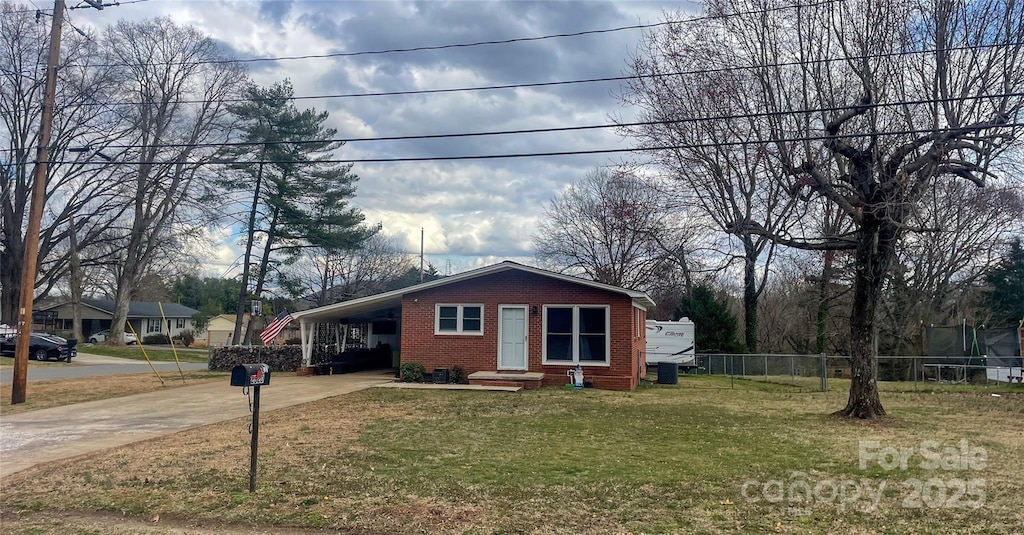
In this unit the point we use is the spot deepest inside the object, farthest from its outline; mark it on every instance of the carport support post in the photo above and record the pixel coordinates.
(255, 437)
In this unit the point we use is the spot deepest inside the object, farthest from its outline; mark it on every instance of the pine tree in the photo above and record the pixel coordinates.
(298, 197)
(1005, 295)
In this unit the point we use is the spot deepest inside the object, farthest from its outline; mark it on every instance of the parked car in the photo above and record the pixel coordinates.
(102, 336)
(43, 347)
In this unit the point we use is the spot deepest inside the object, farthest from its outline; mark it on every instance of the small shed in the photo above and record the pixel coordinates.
(505, 323)
(221, 329)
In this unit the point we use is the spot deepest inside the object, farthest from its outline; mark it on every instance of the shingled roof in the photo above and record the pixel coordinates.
(143, 309)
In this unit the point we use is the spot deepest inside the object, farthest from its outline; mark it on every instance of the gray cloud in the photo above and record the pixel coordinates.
(473, 211)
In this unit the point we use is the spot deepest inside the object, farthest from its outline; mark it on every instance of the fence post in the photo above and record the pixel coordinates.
(792, 370)
(732, 371)
(915, 375)
(824, 373)
(766, 368)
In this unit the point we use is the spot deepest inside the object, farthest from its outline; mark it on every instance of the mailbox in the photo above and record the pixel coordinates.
(255, 374)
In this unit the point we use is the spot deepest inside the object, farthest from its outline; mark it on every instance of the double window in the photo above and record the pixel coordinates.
(576, 334)
(459, 319)
(154, 325)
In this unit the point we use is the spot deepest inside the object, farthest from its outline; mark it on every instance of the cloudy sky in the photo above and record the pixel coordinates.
(474, 212)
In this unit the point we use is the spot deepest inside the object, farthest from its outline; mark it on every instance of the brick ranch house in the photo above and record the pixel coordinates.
(504, 324)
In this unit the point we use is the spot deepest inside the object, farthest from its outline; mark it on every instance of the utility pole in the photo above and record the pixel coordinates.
(421, 254)
(35, 214)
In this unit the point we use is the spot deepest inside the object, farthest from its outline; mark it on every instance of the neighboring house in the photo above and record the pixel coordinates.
(221, 328)
(506, 324)
(144, 317)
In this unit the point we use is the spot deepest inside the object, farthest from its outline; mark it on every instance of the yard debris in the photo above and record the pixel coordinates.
(726, 502)
(156, 519)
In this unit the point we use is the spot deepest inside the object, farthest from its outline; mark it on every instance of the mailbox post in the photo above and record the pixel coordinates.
(255, 376)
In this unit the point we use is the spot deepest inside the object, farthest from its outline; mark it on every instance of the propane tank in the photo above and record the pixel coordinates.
(576, 376)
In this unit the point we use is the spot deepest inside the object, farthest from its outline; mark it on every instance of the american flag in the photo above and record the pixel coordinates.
(274, 328)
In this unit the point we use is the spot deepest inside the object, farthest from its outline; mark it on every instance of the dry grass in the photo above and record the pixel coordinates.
(45, 394)
(658, 460)
(7, 363)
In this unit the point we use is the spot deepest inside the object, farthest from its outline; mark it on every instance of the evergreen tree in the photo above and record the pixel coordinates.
(714, 325)
(1005, 295)
(298, 197)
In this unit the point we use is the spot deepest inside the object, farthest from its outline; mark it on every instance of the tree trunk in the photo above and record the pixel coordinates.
(749, 294)
(874, 250)
(264, 263)
(823, 283)
(75, 282)
(122, 299)
(10, 280)
(250, 237)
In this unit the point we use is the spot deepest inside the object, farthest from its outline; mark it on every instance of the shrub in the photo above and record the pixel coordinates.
(458, 375)
(413, 372)
(293, 341)
(186, 337)
(151, 339)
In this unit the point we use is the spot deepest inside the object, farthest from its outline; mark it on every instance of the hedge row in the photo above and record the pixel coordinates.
(279, 358)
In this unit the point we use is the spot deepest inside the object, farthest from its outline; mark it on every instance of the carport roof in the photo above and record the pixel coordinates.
(393, 299)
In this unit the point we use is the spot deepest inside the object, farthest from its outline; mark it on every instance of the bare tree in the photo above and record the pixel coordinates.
(76, 188)
(175, 81)
(607, 227)
(330, 276)
(965, 230)
(723, 171)
(866, 106)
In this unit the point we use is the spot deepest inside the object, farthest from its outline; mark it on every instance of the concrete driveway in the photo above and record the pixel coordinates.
(87, 365)
(47, 435)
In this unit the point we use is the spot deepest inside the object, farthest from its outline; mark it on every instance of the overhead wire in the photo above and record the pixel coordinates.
(686, 120)
(503, 41)
(222, 161)
(115, 3)
(48, 11)
(594, 80)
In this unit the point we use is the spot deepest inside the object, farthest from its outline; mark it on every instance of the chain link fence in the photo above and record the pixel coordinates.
(824, 372)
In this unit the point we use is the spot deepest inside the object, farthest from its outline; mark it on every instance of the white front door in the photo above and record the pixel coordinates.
(511, 337)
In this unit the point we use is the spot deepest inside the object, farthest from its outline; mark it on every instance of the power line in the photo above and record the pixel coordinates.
(499, 41)
(80, 6)
(222, 161)
(598, 80)
(566, 128)
(115, 3)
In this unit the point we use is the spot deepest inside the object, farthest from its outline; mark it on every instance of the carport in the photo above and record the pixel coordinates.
(366, 322)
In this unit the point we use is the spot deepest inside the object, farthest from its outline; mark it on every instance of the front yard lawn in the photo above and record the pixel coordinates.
(56, 393)
(694, 458)
(161, 354)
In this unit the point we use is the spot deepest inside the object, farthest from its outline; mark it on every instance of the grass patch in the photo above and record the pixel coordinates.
(662, 459)
(46, 394)
(135, 352)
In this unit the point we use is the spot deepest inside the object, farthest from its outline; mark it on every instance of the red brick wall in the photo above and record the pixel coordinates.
(480, 353)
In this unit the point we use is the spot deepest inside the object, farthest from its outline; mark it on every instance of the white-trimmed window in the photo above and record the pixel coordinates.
(459, 319)
(577, 334)
(180, 323)
(154, 326)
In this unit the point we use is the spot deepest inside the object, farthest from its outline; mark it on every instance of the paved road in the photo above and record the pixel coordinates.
(46, 435)
(86, 365)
